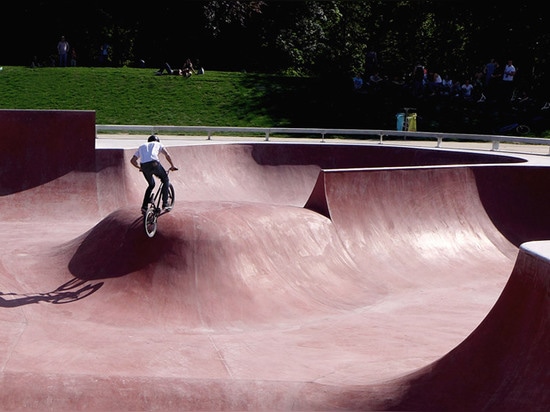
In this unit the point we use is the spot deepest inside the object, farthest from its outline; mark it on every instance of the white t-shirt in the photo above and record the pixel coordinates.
(509, 72)
(148, 152)
(467, 89)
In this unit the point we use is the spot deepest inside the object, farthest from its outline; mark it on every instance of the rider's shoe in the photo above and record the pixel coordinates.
(167, 208)
(143, 210)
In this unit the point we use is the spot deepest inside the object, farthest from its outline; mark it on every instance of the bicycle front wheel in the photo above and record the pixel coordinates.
(150, 222)
(171, 195)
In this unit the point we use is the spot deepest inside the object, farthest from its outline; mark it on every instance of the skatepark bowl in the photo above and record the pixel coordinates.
(288, 276)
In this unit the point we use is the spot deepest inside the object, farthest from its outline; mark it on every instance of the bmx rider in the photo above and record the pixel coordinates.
(149, 164)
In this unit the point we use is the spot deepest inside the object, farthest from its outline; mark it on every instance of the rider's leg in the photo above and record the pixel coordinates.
(148, 174)
(163, 176)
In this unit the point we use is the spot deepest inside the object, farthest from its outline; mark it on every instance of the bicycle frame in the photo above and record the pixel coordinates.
(154, 209)
(156, 197)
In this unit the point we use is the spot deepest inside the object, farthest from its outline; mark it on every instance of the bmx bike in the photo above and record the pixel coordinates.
(154, 209)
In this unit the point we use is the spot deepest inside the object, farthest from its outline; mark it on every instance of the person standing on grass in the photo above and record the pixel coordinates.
(508, 80)
(73, 57)
(62, 51)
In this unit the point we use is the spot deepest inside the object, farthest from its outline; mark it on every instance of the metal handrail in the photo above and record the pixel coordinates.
(267, 132)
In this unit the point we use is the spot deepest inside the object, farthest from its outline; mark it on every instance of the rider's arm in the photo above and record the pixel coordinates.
(169, 158)
(134, 161)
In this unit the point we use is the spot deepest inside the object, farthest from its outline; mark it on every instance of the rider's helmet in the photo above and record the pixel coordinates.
(153, 138)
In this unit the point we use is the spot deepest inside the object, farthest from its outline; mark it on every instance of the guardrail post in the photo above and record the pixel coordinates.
(267, 136)
(439, 141)
(496, 145)
(209, 135)
(381, 137)
(322, 138)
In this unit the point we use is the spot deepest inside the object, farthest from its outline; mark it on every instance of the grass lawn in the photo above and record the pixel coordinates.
(133, 96)
(138, 96)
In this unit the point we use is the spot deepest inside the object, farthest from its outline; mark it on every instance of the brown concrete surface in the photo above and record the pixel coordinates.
(289, 276)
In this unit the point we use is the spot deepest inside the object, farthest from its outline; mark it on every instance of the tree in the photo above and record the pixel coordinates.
(219, 13)
(312, 37)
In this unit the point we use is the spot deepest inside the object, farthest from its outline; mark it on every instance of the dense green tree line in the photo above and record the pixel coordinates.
(309, 37)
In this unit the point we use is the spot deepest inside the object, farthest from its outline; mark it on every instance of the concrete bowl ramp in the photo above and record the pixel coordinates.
(288, 277)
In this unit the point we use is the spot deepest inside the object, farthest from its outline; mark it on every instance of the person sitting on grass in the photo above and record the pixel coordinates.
(187, 70)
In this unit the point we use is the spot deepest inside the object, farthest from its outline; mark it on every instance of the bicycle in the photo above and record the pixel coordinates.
(154, 210)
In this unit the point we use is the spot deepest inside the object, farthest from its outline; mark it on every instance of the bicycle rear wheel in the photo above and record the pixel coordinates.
(150, 222)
